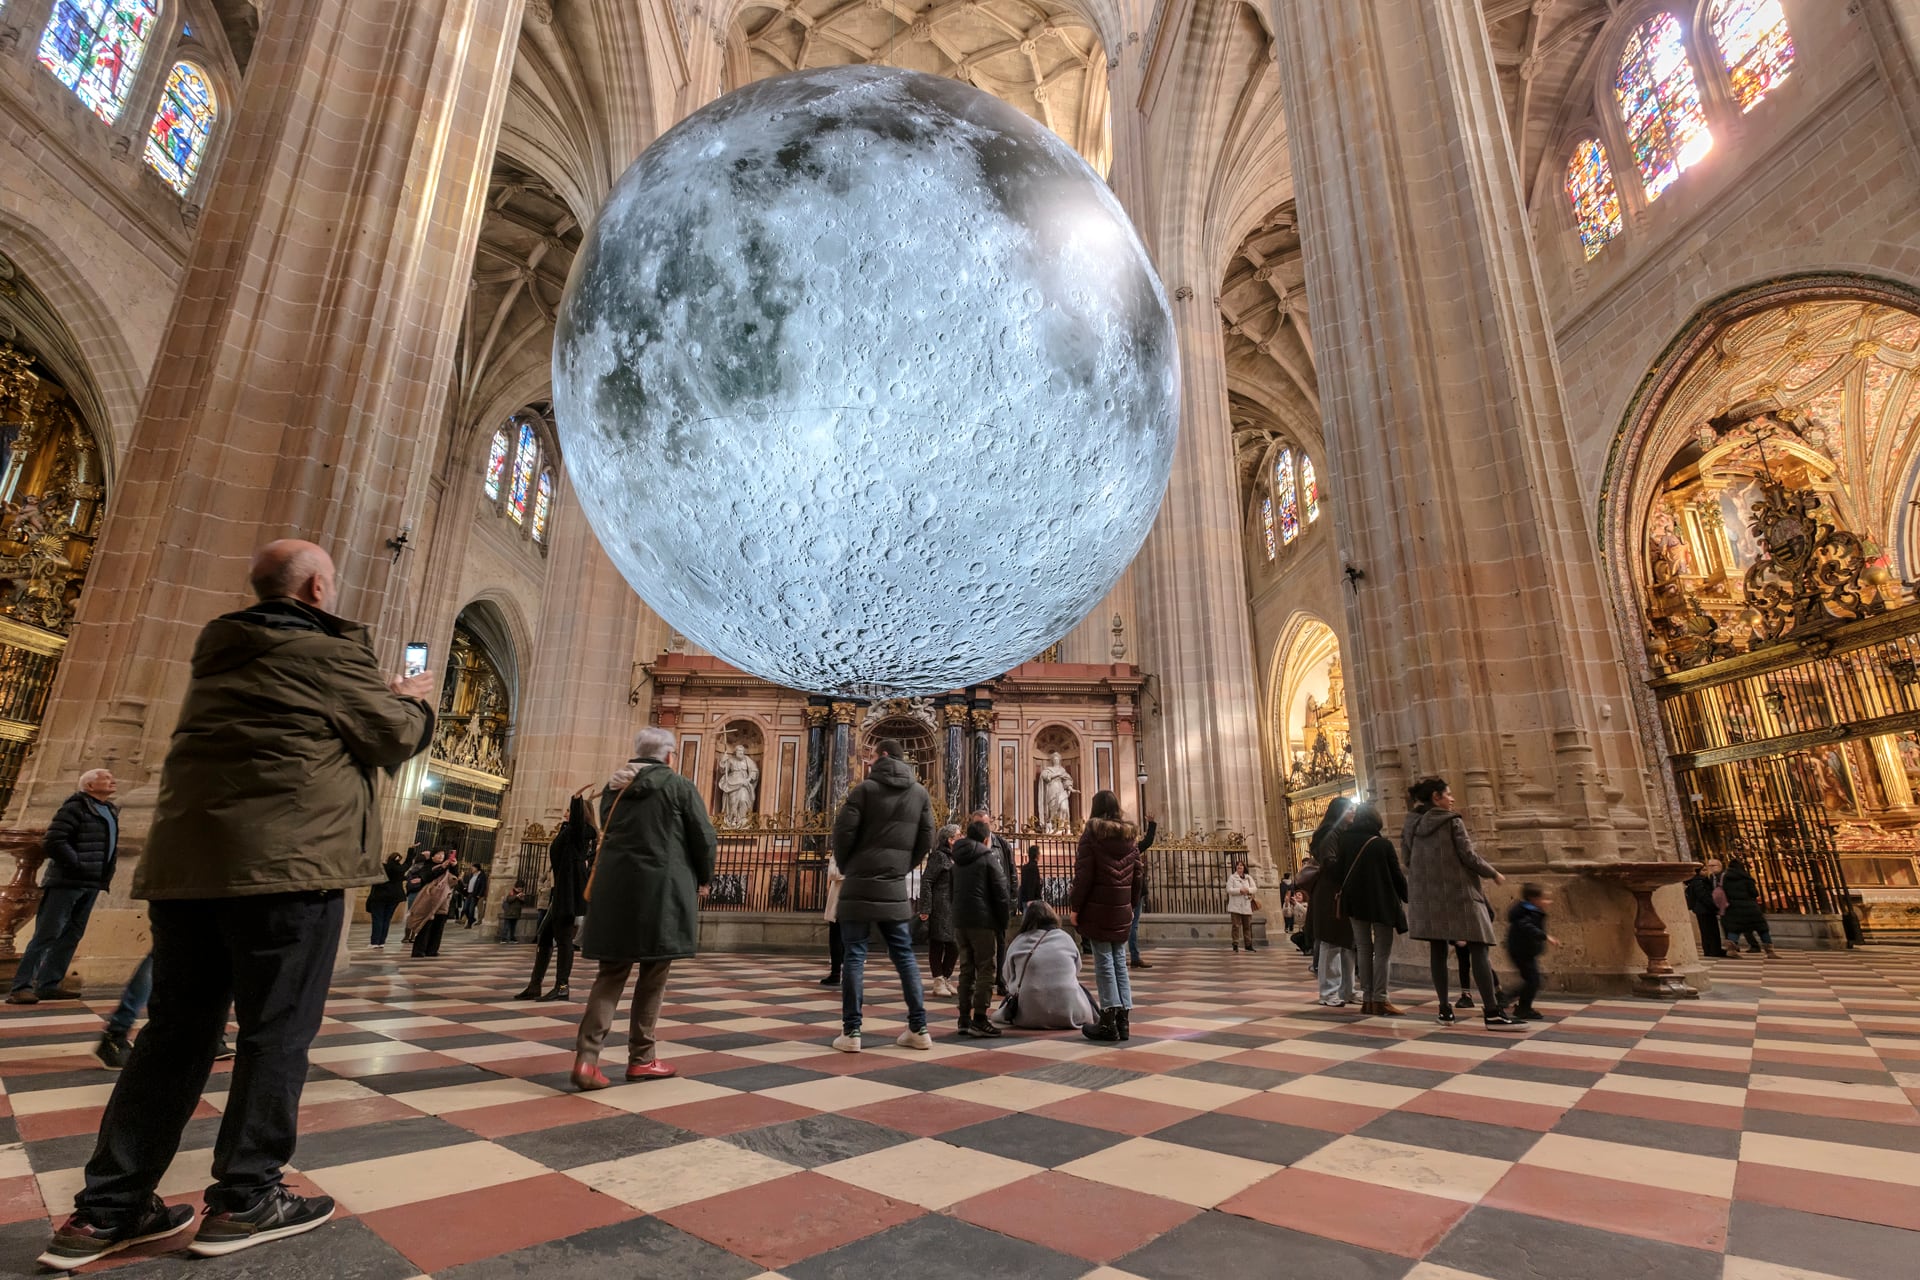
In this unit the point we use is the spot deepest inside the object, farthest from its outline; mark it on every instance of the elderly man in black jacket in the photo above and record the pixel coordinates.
(882, 832)
(82, 844)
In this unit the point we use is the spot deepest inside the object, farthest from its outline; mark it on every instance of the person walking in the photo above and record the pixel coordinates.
(1321, 877)
(1373, 897)
(1043, 976)
(1107, 887)
(1706, 911)
(936, 911)
(657, 848)
(383, 899)
(883, 831)
(1445, 903)
(476, 899)
(1744, 916)
(265, 817)
(981, 906)
(82, 846)
(1240, 894)
(836, 946)
(1134, 959)
(1527, 941)
(570, 858)
(427, 917)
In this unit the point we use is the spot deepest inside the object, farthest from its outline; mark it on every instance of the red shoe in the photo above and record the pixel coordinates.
(587, 1076)
(655, 1070)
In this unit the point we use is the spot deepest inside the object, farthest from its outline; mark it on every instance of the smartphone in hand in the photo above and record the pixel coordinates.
(416, 663)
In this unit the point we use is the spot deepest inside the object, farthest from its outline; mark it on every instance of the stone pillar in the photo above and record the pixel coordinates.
(817, 713)
(1482, 646)
(953, 717)
(303, 367)
(981, 796)
(841, 777)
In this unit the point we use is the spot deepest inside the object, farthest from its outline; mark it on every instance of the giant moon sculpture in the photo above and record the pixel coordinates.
(866, 383)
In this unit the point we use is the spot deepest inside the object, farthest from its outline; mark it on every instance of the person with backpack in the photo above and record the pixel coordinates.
(980, 909)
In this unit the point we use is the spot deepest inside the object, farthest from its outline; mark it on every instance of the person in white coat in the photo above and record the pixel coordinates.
(835, 948)
(1240, 891)
(1043, 976)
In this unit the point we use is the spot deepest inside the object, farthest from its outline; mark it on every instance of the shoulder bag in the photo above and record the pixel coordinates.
(606, 825)
(1340, 894)
(1010, 1007)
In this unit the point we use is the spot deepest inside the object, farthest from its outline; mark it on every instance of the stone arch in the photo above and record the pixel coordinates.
(922, 744)
(1305, 647)
(1637, 456)
(494, 618)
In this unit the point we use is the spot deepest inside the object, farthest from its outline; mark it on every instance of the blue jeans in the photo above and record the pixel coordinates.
(1133, 935)
(133, 1000)
(1110, 975)
(898, 935)
(382, 922)
(56, 932)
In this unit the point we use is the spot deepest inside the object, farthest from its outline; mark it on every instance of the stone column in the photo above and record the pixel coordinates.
(304, 364)
(1482, 647)
(953, 717)
(841, 774)
(817, 713)
(981, 718)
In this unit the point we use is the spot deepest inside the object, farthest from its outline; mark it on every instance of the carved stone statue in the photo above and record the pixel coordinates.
(739, 780)
(1056, 785)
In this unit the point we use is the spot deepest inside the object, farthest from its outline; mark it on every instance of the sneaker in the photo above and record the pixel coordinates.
(847, 1044)
(1464, 1002)
(61, 993)
(112, 1051)
(913, 1040)
(1497, 1021)
(225, 1050)
(1528, 1015)
(655, 1070)
(79, 1242)
(1446, 1018)
(984, 1028)
(831, 980)
(280, 1215)
(23, 997)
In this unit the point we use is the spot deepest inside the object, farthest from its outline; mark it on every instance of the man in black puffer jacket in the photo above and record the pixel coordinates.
(82, 844)
(883, 831)
(980, 908)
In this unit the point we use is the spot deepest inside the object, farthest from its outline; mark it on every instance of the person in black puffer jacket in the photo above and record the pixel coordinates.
(980, 910)
(82, 846)
(570, 857)
(883, 831)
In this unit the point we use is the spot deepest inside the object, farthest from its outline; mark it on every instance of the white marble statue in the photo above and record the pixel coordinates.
(1056, 785)
(739, 780)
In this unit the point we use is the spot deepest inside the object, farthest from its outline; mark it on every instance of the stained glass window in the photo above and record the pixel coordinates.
(1755, 44)
(522, 474)
(1660, 100)
(1309, 488)
(496, 464)
(180, 128)
(1266, 525)
(93, 47)
(542, 504)
(1595, 200)
(1287, 496)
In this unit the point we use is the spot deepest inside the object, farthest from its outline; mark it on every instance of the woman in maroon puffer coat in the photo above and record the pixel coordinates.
(1108, 883)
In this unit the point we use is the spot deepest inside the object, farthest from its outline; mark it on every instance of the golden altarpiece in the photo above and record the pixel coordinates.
(468, 772)
(52, 497)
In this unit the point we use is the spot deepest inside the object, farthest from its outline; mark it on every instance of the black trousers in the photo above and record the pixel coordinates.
(554, 939)
(1710, 943)
(427, 941)
(1529, 967)
(1473, 957)
(271, 956)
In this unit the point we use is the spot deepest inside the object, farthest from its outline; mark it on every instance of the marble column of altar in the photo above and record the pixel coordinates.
(817, 715)
(981, 796)
(841, 776)
(953, 717)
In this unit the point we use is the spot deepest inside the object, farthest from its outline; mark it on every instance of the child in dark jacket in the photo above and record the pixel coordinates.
(1527, 941)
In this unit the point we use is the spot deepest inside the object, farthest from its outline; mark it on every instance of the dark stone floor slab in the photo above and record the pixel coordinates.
(1516, 1246)
(642, 1247)
(571, 1145)
(1034, 1139)
(816, 1140)
(1825, 1246)
(937, 1248)
(1217, 1246)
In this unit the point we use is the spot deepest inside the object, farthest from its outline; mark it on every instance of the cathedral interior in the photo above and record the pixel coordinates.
(1549, 420)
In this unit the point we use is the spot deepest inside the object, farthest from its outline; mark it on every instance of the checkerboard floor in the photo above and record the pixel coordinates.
(1767, 1132)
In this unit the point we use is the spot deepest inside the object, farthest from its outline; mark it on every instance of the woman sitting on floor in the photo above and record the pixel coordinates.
(1043, 976)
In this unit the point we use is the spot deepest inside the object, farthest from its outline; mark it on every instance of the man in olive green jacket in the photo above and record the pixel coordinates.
(265, 815)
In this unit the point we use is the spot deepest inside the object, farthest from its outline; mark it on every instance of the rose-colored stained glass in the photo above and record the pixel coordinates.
(1756, 46)
(1595, 200)
(94, 48)
(1660, 101)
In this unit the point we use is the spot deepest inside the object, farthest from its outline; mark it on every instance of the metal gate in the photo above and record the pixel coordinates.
(1764, 812)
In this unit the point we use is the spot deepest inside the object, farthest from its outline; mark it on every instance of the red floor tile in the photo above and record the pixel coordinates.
(1834, 1108)
(20, 1200)
(1832, 1196)
(449, 1231)
(59, 1124)
(1633, 1104)
(1467, 1106)
(789, 1219)
(1385, 1218)
(926, 1115)
(1623, 1207)
(1115, 1114)
(1071, 1215)
(525, 1117)
(719, 1116)
(351, 1113)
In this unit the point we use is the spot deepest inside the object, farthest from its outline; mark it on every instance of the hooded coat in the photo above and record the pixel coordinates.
(657, 847)
(268, 784)
(1107, 880)
(570, 856)
(1444, 899)
(936, 894)
(1374, 887)
(980, 897)
(883, 831)
(1744, 913)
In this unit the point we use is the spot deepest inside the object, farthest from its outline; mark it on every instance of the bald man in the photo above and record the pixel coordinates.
(265, 818)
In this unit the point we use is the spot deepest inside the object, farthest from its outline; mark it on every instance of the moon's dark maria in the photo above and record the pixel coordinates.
(866, 383)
